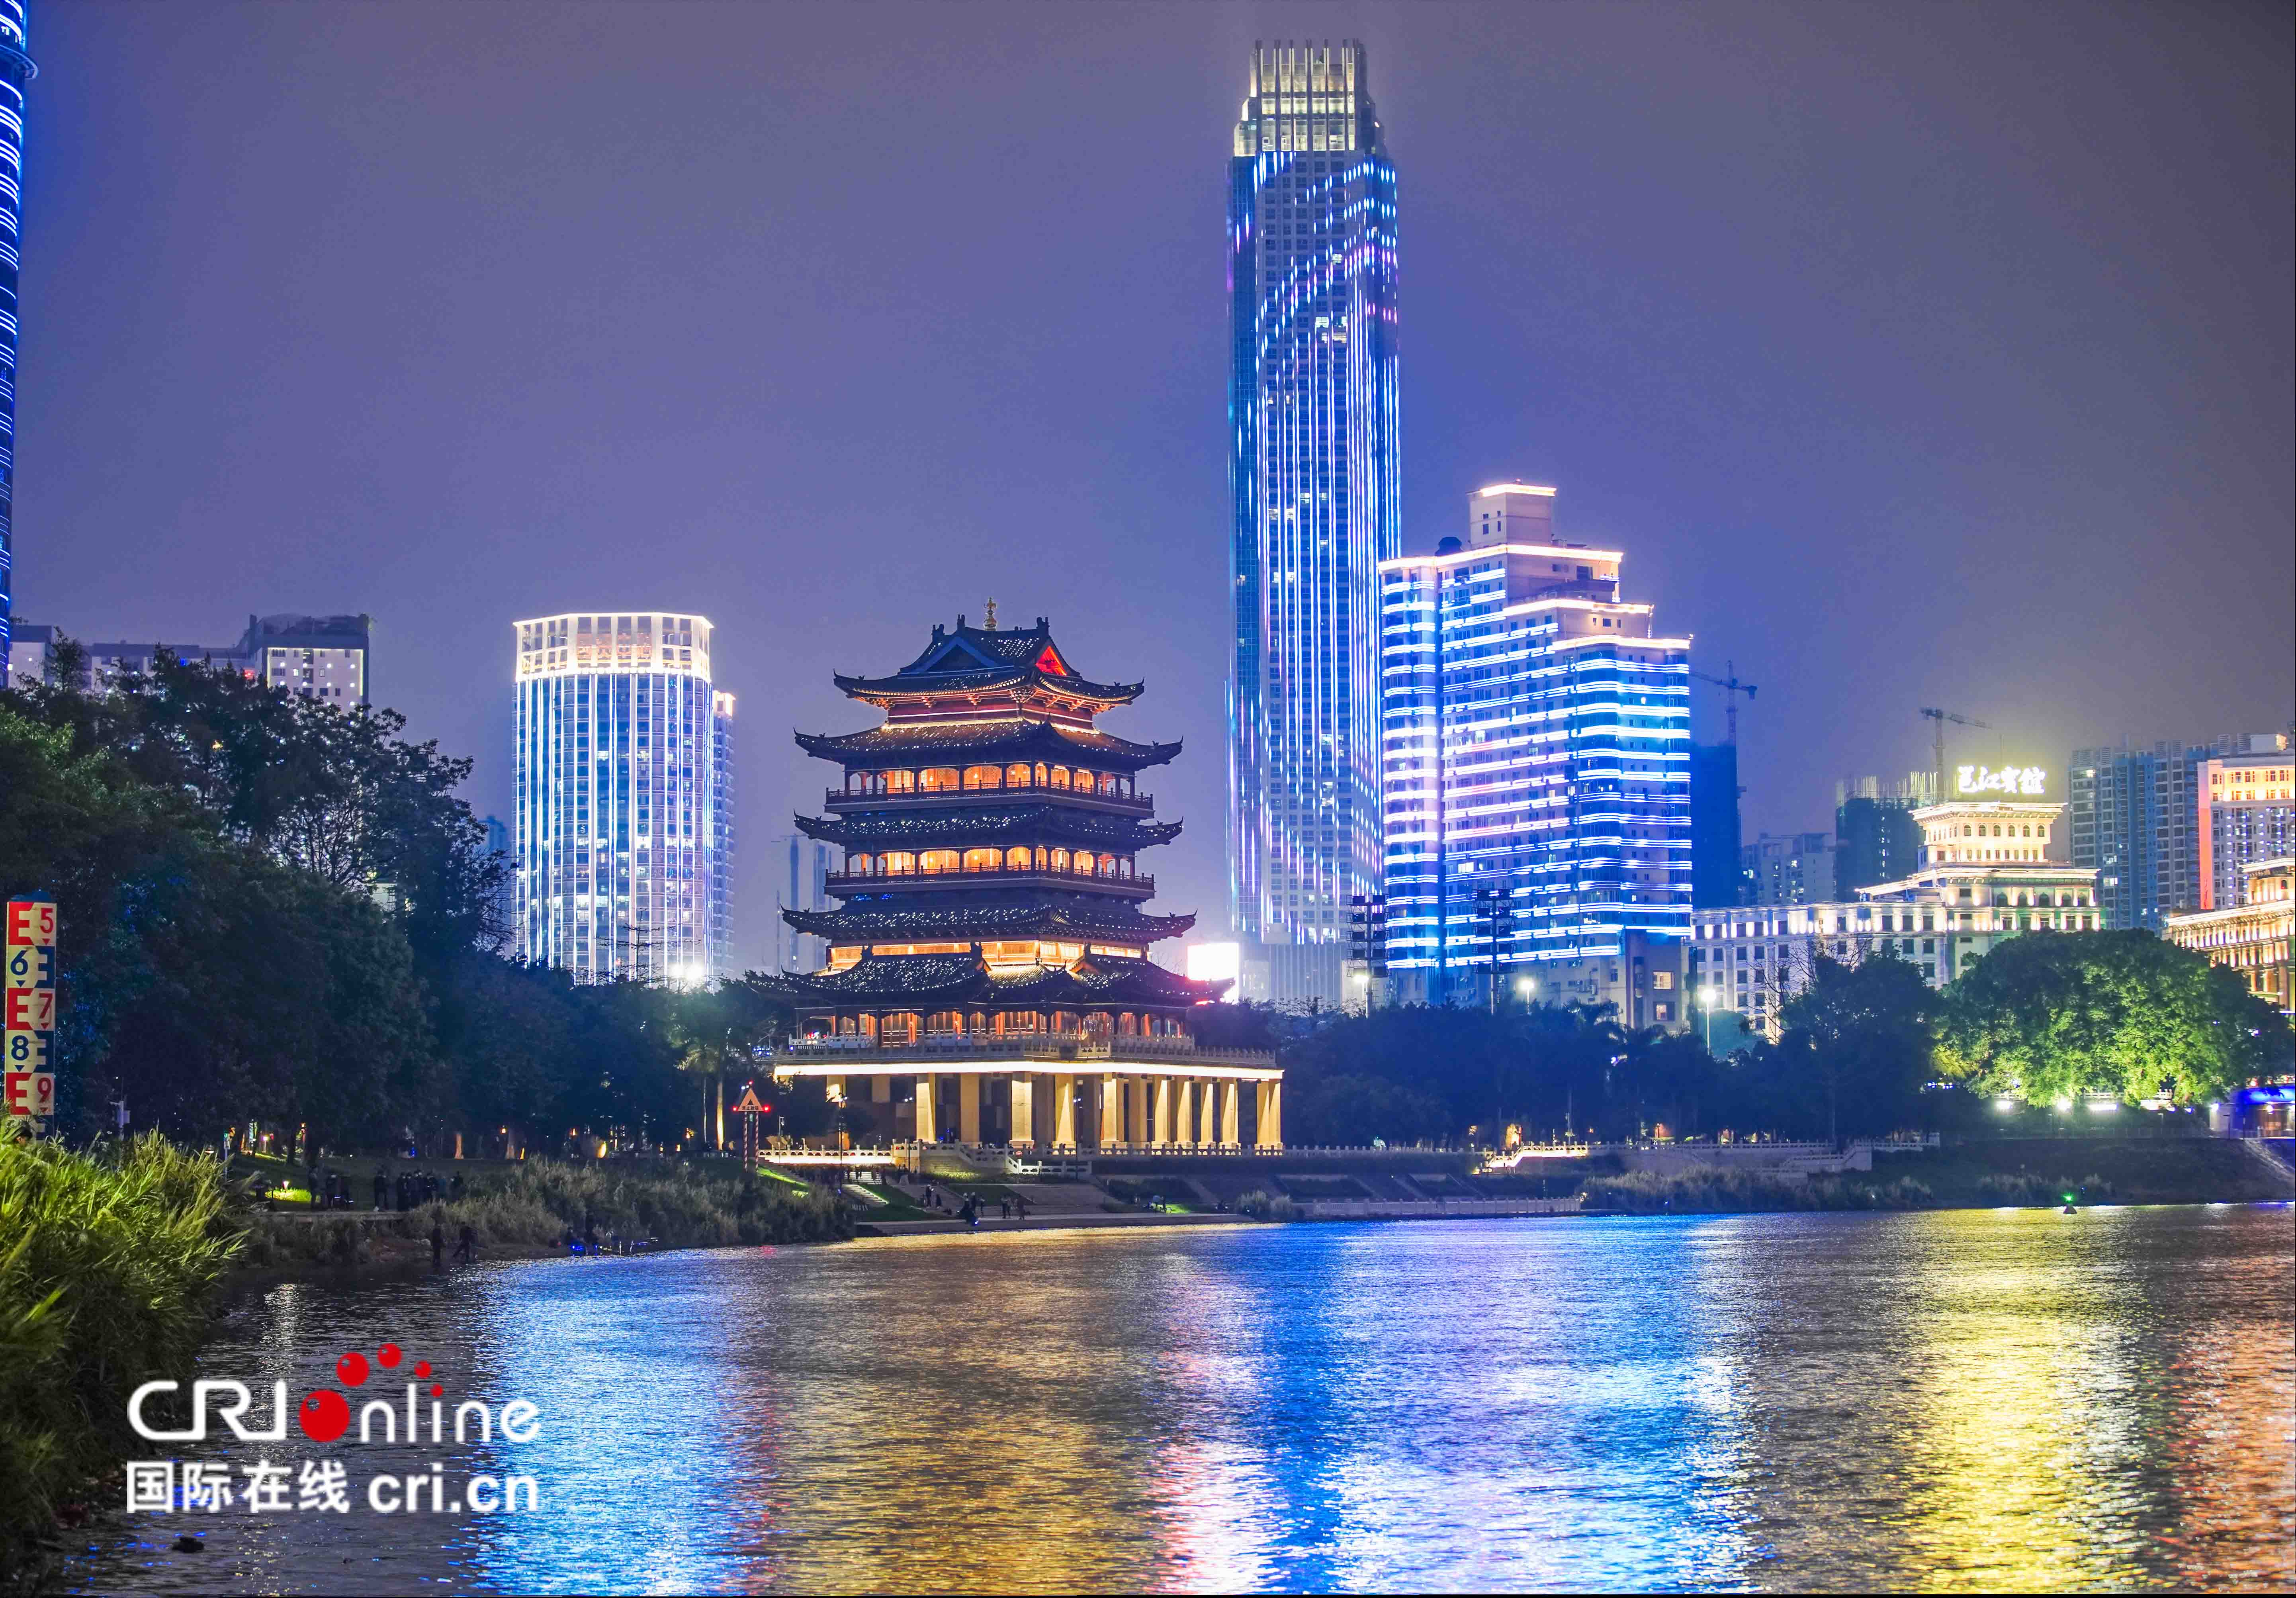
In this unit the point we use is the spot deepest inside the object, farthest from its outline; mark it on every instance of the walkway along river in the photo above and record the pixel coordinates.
(1959, 1399)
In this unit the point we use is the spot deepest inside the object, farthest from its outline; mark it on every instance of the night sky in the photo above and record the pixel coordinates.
(1915, 354)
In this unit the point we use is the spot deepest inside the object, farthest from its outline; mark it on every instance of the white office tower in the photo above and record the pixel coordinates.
(620, 744)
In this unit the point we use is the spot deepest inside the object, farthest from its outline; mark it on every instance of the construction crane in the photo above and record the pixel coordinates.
(1731, 688)
(1941, 717)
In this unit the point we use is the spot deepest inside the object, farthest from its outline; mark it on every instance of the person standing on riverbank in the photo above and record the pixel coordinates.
(437, 1245)
(381, 1189)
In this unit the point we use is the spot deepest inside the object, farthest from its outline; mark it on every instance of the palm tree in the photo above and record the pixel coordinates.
(719, 1030)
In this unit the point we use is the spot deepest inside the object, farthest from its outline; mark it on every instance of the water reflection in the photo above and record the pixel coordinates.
(1955, 1400)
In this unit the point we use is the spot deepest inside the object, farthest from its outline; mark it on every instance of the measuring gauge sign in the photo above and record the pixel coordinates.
(28, 1008)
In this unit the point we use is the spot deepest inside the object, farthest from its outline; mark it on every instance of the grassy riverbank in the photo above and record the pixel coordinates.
(108, 1264)
(525, 1208)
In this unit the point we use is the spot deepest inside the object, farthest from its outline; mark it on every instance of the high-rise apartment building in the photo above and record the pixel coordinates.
(319, 657)
(620, 741)
(1876, 837)
(1536, 736)
(802, 867)
(1313, 474)
(2248, 813)
(2136, 821)
(1716, 856)
(1794, 868)
(721, 831)
(16, 71)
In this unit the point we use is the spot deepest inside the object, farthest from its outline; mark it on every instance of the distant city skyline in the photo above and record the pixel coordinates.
(1933, 409)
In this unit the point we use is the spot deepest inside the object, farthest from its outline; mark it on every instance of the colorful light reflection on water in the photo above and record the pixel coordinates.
(1956, 1400)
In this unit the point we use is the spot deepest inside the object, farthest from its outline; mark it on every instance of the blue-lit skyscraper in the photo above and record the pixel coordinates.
(1312, 467)
(624, 768)
(1536, 737)
(16, 71)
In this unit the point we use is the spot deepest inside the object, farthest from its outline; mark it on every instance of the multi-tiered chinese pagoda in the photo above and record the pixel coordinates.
(988, 973)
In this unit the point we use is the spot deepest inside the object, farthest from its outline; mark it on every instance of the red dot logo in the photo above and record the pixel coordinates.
(437, 1392)
(423, 1369)
(388, 1354)
(325, 1416)
(351, 1369)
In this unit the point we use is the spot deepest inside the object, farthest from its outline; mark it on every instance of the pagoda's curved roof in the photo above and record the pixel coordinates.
(1007, 737)
(964, 980)
(980, 660)
(922, 829)
(1103, 920)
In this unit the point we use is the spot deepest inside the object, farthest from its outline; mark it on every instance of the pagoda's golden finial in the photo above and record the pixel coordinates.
(988, 622)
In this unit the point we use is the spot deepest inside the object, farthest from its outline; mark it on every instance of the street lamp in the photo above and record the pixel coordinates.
(1707, 998)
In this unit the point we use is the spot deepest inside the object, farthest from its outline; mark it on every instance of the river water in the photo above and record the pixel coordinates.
(1952, 1400)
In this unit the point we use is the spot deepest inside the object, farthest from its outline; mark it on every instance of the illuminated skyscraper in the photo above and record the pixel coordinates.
(1312, 469)
(1536, 744)
(623, 758)
(16, 70)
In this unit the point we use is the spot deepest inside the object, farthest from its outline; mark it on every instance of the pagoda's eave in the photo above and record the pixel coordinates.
(1030, 820)
(991, 743)
(1074, 698)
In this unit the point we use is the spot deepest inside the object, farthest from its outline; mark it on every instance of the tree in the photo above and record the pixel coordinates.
(1858, 1041)
(2054, 1015)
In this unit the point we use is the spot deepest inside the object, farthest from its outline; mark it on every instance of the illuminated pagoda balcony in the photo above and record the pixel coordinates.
(849, 883)
(987, 977)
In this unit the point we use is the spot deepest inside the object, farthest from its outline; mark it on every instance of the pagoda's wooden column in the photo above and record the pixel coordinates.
(1064, 1112)
(1232, 1114)
(1140, 1129)
(1160, 1111)
(1184, 1113)
(968, 1107)
(1024, 1120)
(928, 1124)
(1208, 1119)
(1111, 1112)
(1271, 1115)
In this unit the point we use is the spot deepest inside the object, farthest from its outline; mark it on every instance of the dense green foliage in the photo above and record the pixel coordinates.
(1866, 1051)
(106, 1262)
(2120, 1015)
(273, 908)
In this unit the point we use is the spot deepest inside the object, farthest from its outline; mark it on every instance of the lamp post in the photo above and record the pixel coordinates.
(1707, 998)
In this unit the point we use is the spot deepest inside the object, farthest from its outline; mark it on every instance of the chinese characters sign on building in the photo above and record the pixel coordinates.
(2022, 780)
(27, 981)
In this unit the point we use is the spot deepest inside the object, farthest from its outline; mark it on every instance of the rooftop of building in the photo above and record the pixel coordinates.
(989, 660)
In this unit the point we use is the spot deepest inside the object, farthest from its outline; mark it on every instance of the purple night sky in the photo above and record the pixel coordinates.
(1914, 354)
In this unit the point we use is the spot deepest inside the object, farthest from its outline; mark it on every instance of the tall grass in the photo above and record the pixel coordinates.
(675, 1204)
(533, 1205)
(106, 1264)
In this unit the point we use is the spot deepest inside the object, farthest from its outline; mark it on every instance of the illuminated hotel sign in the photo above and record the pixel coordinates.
(2008, 780)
